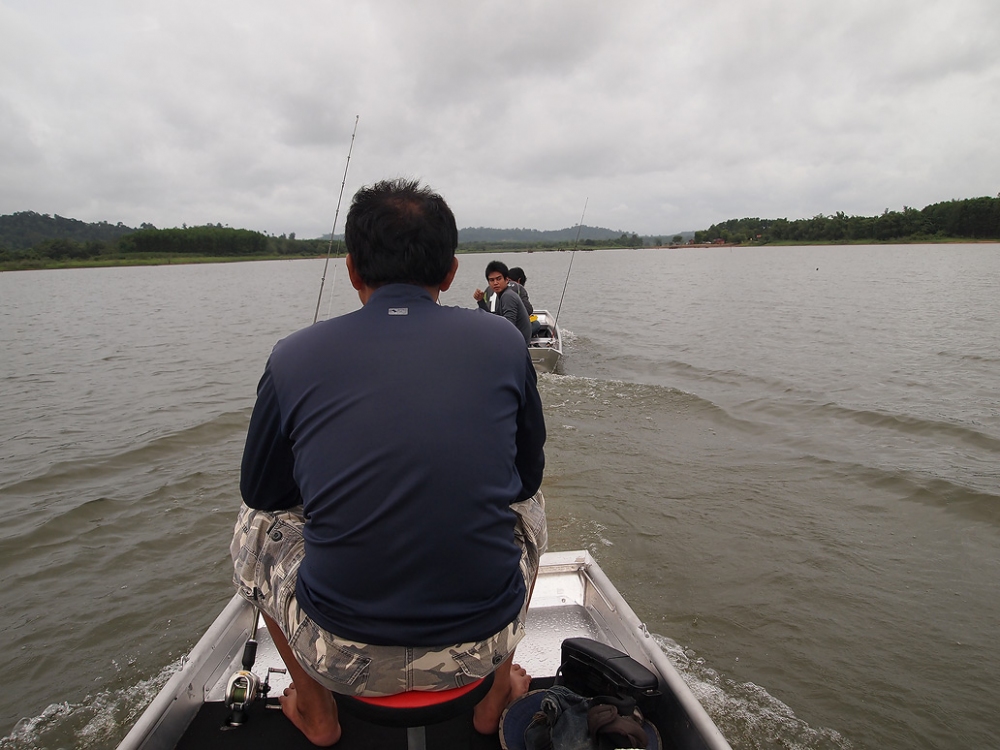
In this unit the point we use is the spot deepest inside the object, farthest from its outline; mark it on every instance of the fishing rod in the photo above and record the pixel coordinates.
(576, 244)
(329, 249)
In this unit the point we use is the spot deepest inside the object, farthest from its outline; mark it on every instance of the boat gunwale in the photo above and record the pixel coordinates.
(171, 711)
(546, 353)
(199, 670)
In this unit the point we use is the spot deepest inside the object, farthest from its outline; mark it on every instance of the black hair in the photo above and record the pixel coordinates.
(496, 265)
(517, 274)
(398, 232)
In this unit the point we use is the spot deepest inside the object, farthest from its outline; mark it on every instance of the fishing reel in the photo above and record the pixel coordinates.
(245, 687)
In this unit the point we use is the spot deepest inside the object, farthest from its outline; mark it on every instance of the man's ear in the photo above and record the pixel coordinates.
(364, 291)
(356, 281)
(450, 277)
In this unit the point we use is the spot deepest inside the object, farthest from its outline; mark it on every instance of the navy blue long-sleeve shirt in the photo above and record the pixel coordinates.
(406, 429)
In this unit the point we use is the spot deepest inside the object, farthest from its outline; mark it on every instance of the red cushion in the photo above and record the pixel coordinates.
(418, 698)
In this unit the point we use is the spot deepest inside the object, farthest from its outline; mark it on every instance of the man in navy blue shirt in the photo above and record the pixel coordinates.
(392, 518)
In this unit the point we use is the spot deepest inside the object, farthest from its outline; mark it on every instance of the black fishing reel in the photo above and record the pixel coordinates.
(243, 690)
(245, 687)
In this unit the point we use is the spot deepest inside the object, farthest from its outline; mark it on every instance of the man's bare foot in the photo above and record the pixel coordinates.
(318, 723)
(486, 715)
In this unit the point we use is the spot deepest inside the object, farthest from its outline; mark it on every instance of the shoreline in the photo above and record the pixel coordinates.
(21, 265)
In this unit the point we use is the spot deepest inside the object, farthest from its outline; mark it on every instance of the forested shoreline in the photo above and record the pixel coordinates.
(973, 219)
(25, 244)
(221, 244)
(33, 241)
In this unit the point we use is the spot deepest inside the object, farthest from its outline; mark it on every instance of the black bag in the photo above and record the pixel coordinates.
(590, 668)
(600, 701)
(567, 721)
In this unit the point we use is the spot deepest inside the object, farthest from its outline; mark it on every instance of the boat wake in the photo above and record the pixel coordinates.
(99, 721)
(748, 716)
(746, 713)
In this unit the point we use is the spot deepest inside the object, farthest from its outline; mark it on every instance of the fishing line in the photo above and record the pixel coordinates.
(329, 304)
(329, 249)
(576, 244)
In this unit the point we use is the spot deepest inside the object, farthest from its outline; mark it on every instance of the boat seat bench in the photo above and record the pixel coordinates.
(268, 728)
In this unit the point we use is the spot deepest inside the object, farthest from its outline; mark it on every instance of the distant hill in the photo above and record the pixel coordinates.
(489, 234)
(25, 229)
(668, 239)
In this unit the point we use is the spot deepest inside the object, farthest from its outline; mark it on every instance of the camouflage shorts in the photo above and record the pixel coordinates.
(267, 549)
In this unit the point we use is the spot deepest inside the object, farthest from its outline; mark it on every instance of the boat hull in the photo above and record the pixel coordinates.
(546, 347)
(572, 598)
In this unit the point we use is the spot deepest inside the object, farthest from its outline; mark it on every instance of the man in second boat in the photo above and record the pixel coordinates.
(503, 298)
(392, 519)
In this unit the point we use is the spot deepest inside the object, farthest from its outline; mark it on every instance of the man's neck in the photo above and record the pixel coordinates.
(365, 292)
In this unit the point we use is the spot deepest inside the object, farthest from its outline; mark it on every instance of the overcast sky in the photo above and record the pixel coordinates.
(660, 116)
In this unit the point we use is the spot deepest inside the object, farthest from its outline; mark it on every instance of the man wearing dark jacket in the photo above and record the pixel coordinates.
(502, 298)
(392, 518)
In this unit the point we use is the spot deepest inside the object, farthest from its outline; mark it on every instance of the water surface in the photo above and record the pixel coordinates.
(786, 459)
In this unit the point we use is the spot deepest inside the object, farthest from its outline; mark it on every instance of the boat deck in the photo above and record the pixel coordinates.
(556, 613)
(549, 623)
(270, 729)
(572, 598)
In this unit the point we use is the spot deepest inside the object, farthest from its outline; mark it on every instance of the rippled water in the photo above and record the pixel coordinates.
(786, 459)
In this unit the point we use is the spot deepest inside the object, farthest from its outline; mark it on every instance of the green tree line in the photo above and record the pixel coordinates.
(25, 229)
(158, 245)
(501, 246)
(151, 245)
(207, 240)
(972, 219)
(106, 244)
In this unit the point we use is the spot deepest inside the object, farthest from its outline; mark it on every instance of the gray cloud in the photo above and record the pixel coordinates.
(662, 117)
